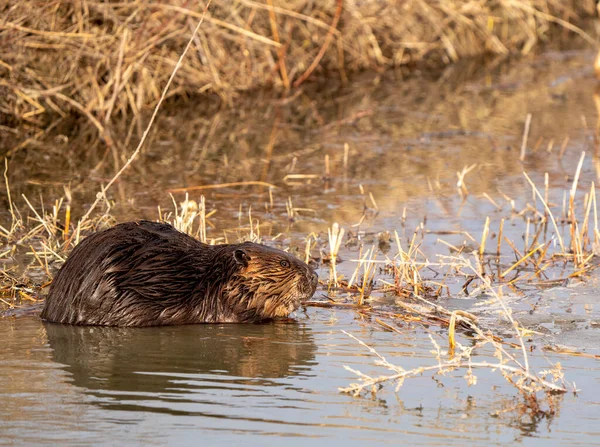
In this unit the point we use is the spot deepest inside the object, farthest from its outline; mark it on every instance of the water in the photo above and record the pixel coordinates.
(272, 383)
(259, 384)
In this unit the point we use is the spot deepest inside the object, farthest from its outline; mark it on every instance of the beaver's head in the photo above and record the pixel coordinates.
(267, 282)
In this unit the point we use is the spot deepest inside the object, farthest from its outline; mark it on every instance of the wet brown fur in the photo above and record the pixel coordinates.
(149, 274)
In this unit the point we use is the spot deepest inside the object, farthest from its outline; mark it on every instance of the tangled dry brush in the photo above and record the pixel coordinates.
(110, 60)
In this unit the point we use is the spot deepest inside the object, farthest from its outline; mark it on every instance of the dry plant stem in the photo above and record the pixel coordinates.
(500, 230)
(88, 115)
(593, 194)
(281, 51)
(202, 207)
(369, 382)
(525, 136)
(546, 191)
(560, 241)
(336, 235)
(551, 18)
(45, 33)
(492, 201)
(460, 184)
(471, 320)
(15, 222)
(520, 261)
(507, 312)
(223, 185)
(452, 332)
(368, 273)
(484, 235)
(522, 369)
(315, 62)
(289, 13)
(215, 21)
(40, 219)
(117, 82)
(571, 214)
(101, 195)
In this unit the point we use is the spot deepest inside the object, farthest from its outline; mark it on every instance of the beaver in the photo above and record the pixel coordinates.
(149, 274)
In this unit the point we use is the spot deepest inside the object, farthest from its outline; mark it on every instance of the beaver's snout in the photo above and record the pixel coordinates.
(309, 284)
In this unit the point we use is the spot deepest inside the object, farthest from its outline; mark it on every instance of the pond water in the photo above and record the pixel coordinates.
(259, 384)
(270, 383)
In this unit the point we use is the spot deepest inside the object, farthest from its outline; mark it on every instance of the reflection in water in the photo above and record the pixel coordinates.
(405, 138)
(263, 384)
(142, 363)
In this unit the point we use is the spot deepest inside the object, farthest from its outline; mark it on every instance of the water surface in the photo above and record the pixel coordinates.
(262, 384)
(271, 383)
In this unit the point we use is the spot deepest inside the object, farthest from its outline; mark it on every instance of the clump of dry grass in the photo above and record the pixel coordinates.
(558, 245)
(516, 371)
(110, 61)
(568, 238)
(36, 240)
(514, 368)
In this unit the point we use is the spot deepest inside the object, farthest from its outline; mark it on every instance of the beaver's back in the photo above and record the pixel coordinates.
(129, 275)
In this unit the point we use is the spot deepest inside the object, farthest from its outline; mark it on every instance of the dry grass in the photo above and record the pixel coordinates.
(542, 263)
(554, 244)
(109, 62)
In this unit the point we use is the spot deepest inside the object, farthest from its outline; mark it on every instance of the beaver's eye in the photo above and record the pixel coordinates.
(284, 263)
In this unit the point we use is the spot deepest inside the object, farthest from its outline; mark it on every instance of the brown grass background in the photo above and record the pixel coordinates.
(109, 61)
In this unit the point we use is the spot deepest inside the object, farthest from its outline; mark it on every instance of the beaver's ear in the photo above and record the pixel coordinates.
(241, 257)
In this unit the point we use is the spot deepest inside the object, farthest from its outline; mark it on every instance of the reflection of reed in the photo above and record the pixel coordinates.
(147, 360)
(597, 61)
(401, 136)
(597, 105)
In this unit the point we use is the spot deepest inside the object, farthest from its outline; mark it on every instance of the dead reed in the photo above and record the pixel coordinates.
(109, 62)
